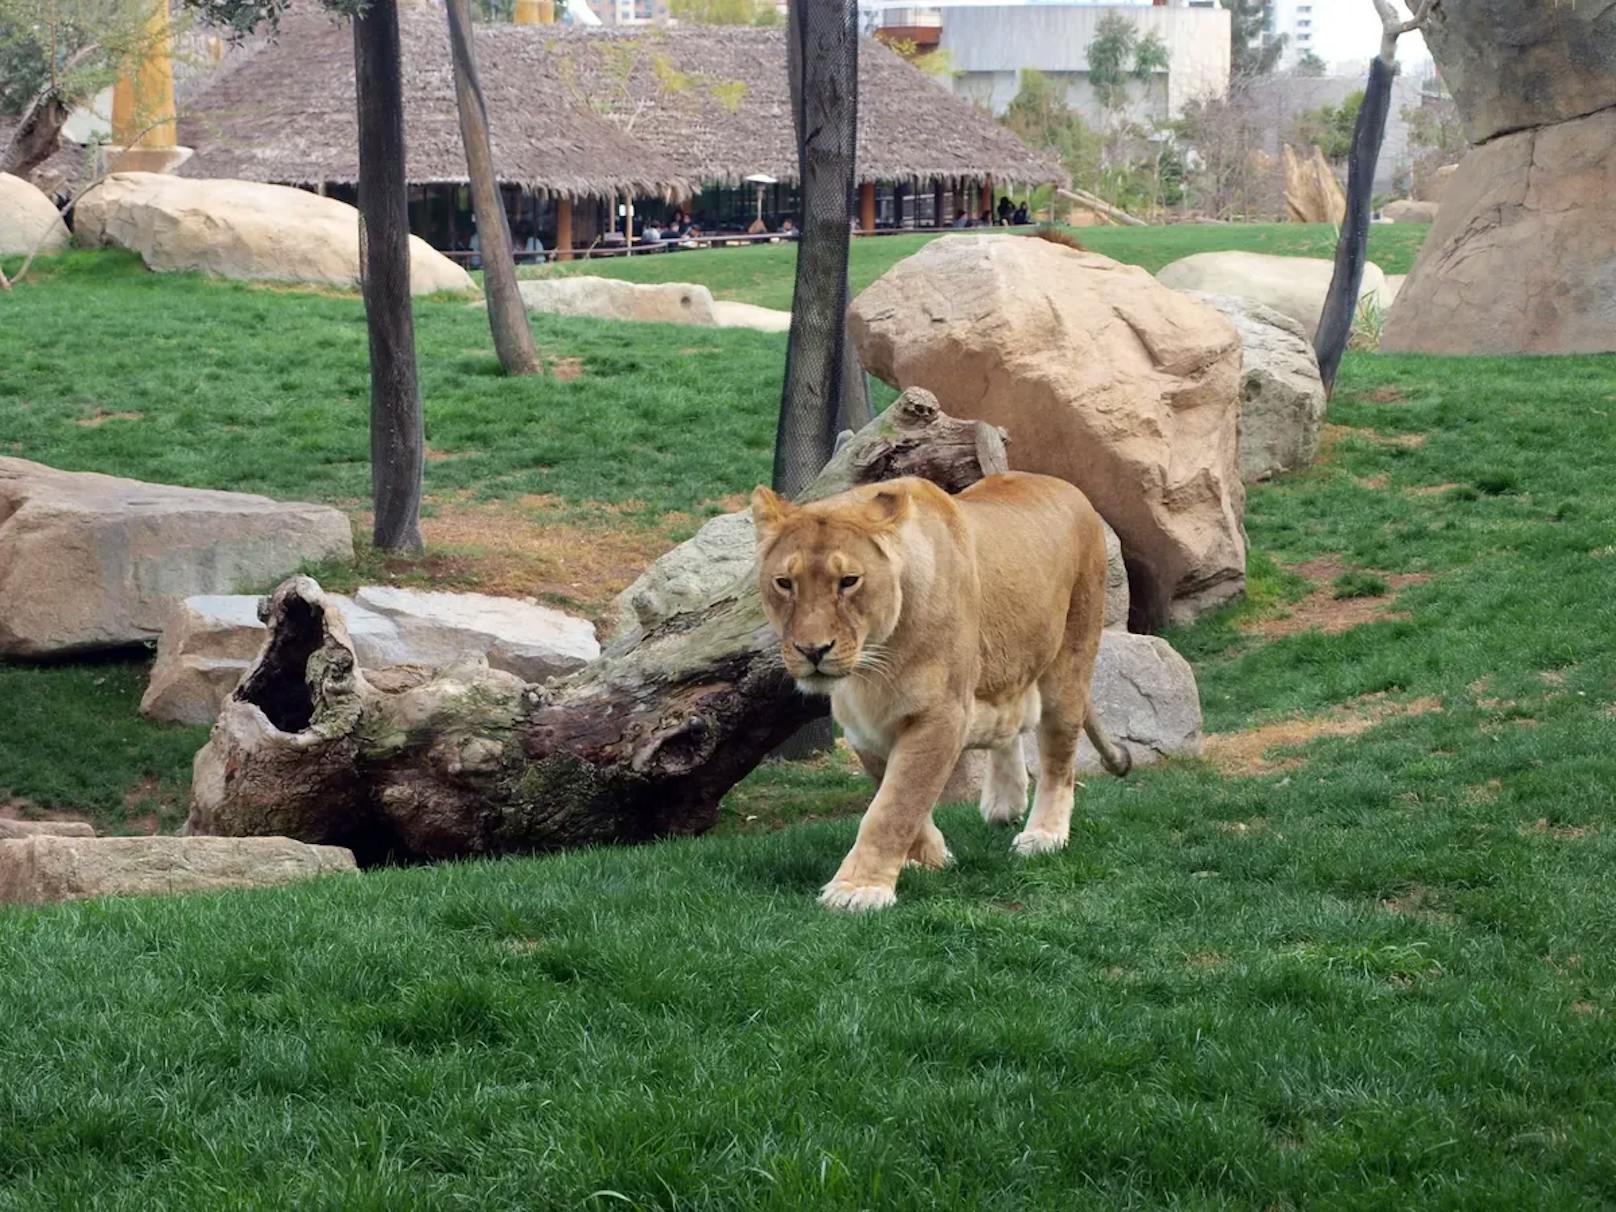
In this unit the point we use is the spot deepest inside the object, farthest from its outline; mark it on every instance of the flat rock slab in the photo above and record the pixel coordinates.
(211, 640)
(10, 830)
(1292, 286)
(39, 870)
(728, 314)
(89, 561)
(611, 299)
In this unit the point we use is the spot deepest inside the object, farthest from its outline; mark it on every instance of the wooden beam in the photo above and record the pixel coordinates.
(867, 206)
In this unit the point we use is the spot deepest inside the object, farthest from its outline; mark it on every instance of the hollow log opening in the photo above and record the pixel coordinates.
(278, 684)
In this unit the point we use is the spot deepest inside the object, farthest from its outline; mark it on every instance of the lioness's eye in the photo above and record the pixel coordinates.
(783, 584)
(850, 582)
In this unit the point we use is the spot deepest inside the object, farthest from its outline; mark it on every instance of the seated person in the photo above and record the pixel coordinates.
(1006, 210)
(1020, 218)
(788, 229)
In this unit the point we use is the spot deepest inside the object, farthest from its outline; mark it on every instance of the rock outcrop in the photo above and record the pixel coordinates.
(611, 299)
(1101, 377)
(243, 229)
(28, 220)
(1312, 192)
(1292, 286)
(1282, 397)
(1408, 210)
(89, 561)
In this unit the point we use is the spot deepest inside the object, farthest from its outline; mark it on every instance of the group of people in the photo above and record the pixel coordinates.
(1009, 214)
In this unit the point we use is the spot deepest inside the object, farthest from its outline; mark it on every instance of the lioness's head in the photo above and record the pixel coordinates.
(829, 577)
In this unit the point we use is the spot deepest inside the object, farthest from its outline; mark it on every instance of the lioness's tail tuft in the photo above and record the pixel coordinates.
(1114, 757)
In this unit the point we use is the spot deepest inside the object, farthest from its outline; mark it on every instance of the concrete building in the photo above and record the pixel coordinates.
(988, 46)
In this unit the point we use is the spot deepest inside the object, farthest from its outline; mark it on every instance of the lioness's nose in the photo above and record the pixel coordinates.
(814, 652)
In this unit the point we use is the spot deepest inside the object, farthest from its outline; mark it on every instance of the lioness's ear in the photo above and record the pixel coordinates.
(769, 512)
(888, 509)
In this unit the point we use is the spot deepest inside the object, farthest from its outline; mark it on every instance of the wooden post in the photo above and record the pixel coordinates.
(143, 97)
(987, 197)
(939, 200)
(867, 206)
(563, 236)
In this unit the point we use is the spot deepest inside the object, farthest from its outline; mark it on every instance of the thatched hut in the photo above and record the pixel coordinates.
(593, 125)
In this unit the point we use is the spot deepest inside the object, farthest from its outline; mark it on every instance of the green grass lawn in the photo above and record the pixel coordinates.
(763, 275)
(1375, 970)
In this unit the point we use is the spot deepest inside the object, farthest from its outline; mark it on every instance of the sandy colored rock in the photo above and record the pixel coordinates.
(610, 299)
(39, 870)
(243, 229)
(1432, 185)
(1313, 194)
(1515, 64)
(89, 561)
(11, 830)
(714, 560)
(1282, 398)
(1522, 257)
(28, 220)
(1101, 377)
(1407, 210)
(1292, 286)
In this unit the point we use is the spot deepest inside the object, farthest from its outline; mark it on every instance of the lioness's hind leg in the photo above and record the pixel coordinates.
(1004, 790)
(1050, 822)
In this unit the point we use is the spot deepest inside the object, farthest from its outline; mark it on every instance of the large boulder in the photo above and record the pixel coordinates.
(714, 561)
(1408, 210)
(11, 829)
(1516, 64)
(1292, 286)
(243, 229)
(610, 299)
(40, 869)
(1282, 397)
(89, 561)
(210, 641)
(28, 221)
(1101, 377)
(1522, 256)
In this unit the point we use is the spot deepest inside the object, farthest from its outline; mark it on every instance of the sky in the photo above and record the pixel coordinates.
(1350, 29)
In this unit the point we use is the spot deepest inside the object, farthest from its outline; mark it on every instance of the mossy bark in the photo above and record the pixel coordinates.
(409, 764)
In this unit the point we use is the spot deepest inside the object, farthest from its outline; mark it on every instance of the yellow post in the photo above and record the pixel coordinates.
(143, 97)
(534, 12)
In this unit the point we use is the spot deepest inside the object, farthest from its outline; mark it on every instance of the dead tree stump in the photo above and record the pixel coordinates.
(410, 764)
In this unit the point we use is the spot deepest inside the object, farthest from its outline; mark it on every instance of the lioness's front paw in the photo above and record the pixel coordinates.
(857, 898)
(1035, 841)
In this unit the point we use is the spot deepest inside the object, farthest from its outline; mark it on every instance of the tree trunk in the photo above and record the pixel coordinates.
(1341, 300)
(35, 137)
(823, 61)
(397, 435)
(404, 765)
(513, 338)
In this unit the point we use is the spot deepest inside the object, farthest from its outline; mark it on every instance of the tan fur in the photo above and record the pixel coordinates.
(937, 624)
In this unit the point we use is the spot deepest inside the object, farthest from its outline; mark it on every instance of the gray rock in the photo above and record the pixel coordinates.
(211, 641)
(41, 869)
(90, 561)
(1407, 210)
(1281, 394)
(610, 299)
(1293, 286)
(11, 830)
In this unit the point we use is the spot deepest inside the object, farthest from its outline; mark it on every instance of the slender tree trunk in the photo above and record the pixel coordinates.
(1341, 300)
(403, 764)
(397, 433)
(513, 338)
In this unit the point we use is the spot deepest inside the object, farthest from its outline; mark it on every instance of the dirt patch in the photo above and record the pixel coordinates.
(1417, 902)
(1206, 959)
(1431, 490)
(1256, 824)
(1272, 748)
(1333, 434)
(1375, 482)
(1382, 395)
(1323, 611)
(1560, 833)
(566, 370)
(1483, 793)
(101, 416)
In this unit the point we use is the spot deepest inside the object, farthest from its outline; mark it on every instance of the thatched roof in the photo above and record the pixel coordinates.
(585, 112)
(285, 113)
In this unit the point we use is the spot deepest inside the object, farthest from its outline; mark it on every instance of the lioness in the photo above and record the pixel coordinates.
(938, 624)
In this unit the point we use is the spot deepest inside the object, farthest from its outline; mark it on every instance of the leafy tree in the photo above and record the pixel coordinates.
(397, 429)
(725, 12)
(1041, 118)
(938, 62)
(1119, 55)
(1311, 65)
(1253, 51)
(1331, 126)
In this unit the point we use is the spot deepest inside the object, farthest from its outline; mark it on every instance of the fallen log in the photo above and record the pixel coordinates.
(1101, 207)
(411, 764)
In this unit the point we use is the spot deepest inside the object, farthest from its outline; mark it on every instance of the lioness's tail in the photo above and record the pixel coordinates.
(1113, 757)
